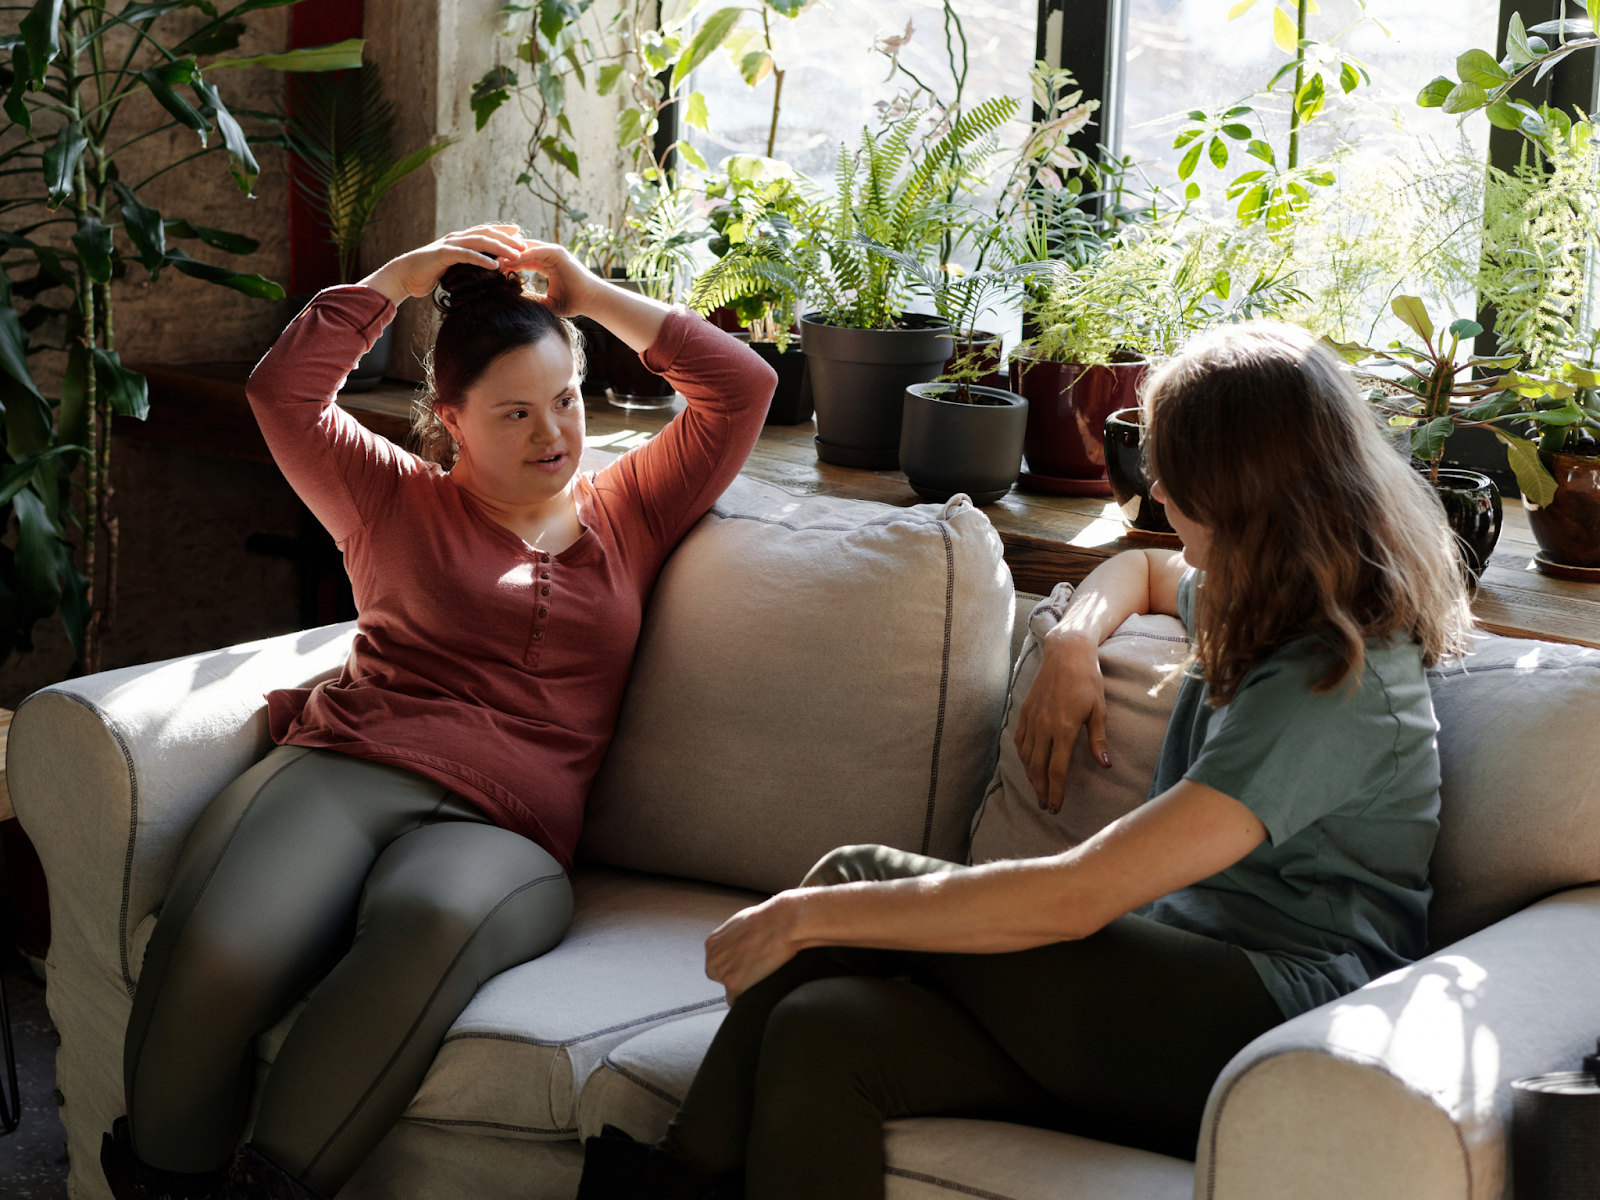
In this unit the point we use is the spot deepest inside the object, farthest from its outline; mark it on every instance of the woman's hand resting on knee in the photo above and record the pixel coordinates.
(750, 945)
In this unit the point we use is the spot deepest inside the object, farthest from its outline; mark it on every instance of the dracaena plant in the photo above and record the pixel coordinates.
(73, 223)
(1455, 390)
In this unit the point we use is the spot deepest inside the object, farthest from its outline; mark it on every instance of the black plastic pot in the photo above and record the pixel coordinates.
(947, 446)
(1130, 487)
(1472, 504)
(859, 379)
(791, 403)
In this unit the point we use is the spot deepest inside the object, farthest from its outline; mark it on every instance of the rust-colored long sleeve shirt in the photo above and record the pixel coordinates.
(484, 664)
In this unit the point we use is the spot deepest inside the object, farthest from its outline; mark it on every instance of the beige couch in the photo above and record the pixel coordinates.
(818, 672)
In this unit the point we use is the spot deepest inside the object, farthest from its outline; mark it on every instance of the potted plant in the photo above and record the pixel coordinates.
(1130, 486)
(862, 348)
(65, 177)
(960, 433)
(342, 133)
(754, 200)
(1541, 235)
(1098, 325)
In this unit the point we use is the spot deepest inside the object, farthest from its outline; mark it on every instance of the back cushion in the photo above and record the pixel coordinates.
(1520, 796)
(812, 672)
(1135, 661)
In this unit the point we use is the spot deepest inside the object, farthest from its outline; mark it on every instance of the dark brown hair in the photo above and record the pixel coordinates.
(486, 314)
(1319, 525)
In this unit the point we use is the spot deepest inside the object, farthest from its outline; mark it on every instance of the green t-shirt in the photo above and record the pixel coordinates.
(1347, 784)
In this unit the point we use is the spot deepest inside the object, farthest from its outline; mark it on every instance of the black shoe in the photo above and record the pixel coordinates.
(131, 1179)
(257, 1177)
(615, 1167)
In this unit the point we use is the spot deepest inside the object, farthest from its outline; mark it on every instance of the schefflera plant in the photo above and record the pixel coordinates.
(73, 223)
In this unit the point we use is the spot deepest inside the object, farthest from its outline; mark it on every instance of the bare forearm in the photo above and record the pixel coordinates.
(1137, 581)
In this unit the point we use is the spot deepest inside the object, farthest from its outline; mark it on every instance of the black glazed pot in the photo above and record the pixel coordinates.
(859, 379)
(1472, 505)
(791, 402)
(947, 446)
(1130, 487)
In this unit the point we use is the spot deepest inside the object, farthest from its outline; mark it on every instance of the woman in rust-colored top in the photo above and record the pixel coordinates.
(410, 834)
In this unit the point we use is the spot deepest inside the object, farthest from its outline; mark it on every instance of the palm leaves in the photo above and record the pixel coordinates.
(342, 131)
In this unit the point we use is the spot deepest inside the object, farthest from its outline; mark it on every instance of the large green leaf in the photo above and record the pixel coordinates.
(1465, 97)
(240, 161)
(149, 12)
(37, 568)
(163, 81)
(16, 106)
(707, 38)
(1537, 484)
(336, 56)
(41, 34)
(72, 418)
(212, 39)
(93, 243)
(125, 389)
(1435, 92)
(217, 239)
(1427, 440)
(14, 352)
(258, 286)
(1479, 67)
(1414, 313)
(75, 610)
(493, 90)
(144, 228)
(61, 162)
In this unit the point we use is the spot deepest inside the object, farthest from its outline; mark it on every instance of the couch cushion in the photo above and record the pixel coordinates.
(940, 1158)
(641, 1083)
(1520, 796)
(812, 672)
(1136, 662)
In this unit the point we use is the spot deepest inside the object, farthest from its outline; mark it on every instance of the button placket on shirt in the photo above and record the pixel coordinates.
(541, 611)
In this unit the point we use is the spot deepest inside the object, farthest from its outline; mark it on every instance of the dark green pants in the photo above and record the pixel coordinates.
(1117, 1037)
(399, 896)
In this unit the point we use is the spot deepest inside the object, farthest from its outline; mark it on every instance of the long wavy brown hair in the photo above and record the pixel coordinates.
(1319, 525)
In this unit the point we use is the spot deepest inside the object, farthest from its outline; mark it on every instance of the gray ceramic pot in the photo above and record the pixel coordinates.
(858, 382)
(947, 446)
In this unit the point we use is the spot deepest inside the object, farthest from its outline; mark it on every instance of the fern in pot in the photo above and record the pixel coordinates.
(957, 434)
(342, 134)
(863, 349)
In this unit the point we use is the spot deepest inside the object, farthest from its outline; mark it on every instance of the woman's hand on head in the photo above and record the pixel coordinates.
(569, 285)
(417, 272)
(1068, 694)
(750, 945)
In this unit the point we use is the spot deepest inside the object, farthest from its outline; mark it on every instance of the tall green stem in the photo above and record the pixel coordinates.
(777, 84)
(1299, 82)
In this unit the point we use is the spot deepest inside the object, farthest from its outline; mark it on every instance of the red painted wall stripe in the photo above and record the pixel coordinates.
(313, 262)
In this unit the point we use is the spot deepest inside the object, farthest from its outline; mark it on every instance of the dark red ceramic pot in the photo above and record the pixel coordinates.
(1067, 409)
(1568, 528)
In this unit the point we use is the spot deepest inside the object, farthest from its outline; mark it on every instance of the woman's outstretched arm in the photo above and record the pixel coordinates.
(1069, 693)
(1188, 833)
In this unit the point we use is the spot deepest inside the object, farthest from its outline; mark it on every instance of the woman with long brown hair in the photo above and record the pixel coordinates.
(1280, 862)
(409, 835)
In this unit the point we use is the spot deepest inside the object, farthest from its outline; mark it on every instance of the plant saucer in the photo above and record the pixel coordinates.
(1557, 570)
(1056, 486)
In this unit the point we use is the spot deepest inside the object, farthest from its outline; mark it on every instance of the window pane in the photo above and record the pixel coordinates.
(833, 78)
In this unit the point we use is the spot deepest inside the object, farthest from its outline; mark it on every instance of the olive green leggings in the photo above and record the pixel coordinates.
(399, 896)
(1117, 1037)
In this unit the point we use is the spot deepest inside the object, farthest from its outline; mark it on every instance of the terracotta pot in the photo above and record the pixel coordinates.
(1568, 528)
(1472, 503)
(1130, 487)
(1068, 404)
(947, 446)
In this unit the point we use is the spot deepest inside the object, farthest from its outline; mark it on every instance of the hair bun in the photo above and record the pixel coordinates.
(465, 285)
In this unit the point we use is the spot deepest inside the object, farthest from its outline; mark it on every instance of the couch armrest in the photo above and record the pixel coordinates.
(1402, 1089)
(109, 772)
